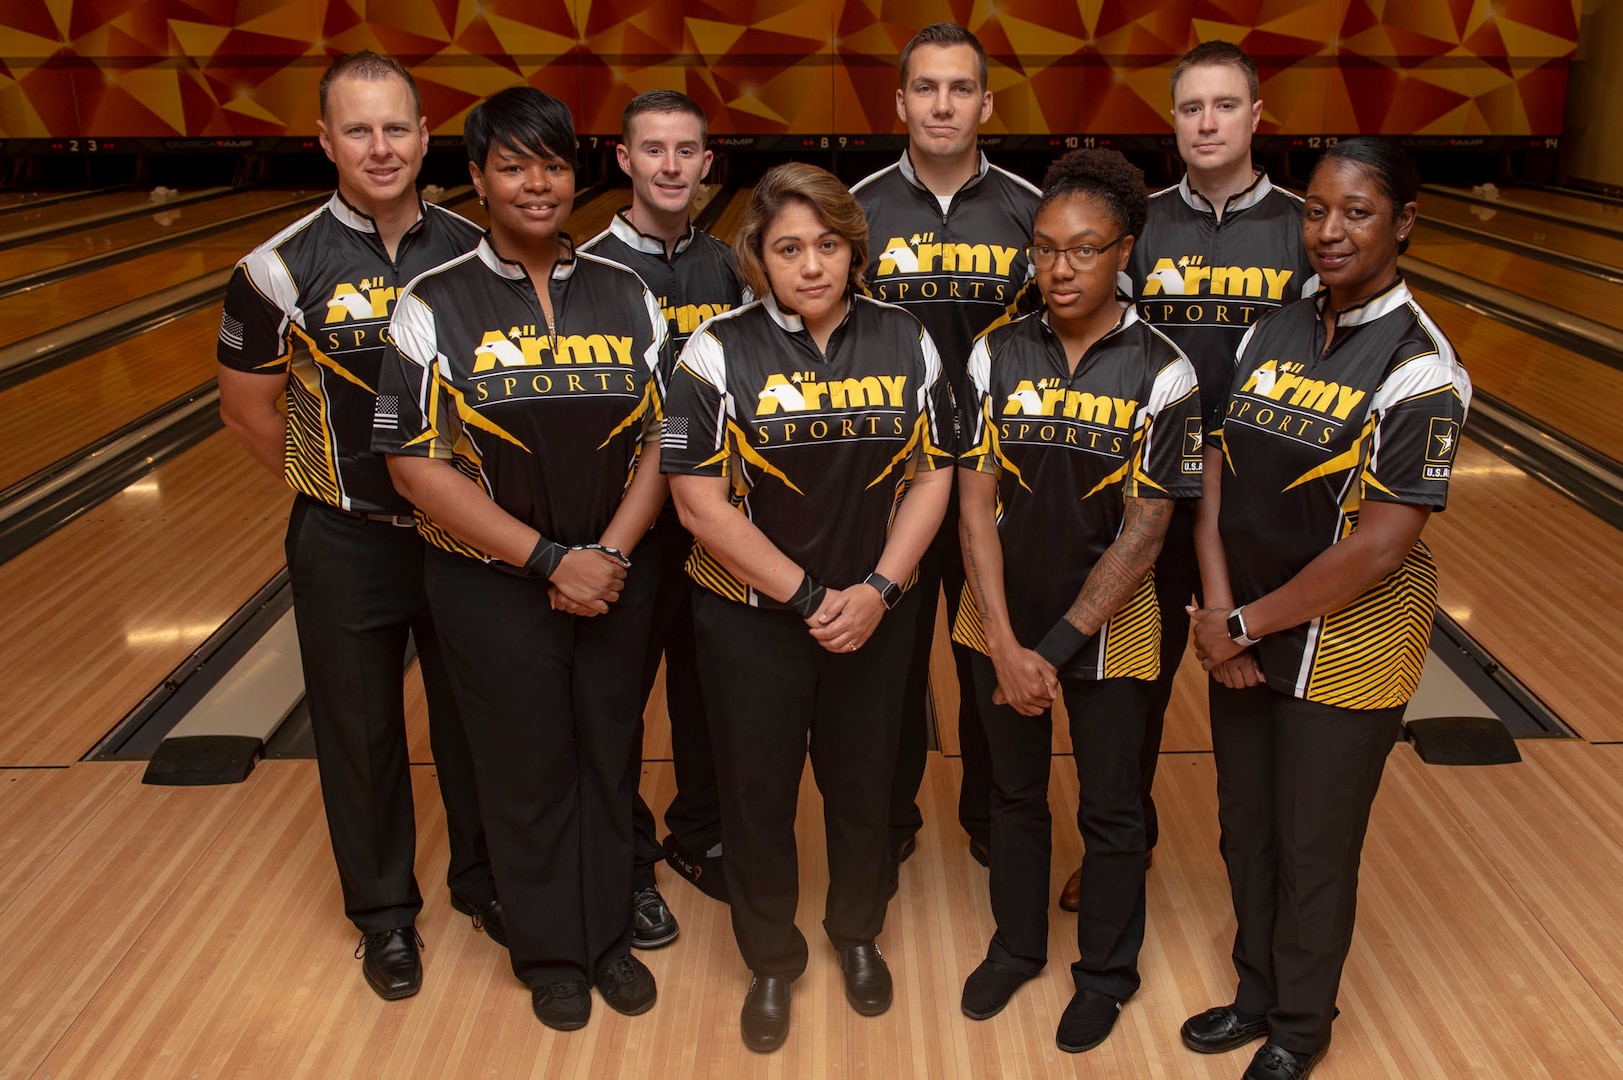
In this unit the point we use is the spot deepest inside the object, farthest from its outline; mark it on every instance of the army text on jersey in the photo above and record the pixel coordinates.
(1068, 449)
(1308, 435)
(820, 446)
(1205, 281)
(549, 421)
(314, 302)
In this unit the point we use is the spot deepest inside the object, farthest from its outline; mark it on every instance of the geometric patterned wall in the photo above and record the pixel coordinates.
(249, 67)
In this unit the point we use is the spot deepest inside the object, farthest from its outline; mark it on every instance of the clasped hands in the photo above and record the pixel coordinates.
(846, 618)
(586, 582)
(1229, 662)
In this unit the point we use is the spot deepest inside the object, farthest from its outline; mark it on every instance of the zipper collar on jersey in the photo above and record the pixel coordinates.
(638, 240)
(983, 166)
(792, 323)
(1383, 303)
(348, 215)
(515, 271)
(1129, 316)
(1244, 200)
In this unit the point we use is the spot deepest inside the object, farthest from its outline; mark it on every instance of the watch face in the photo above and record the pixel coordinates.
(893, 595)
(1236, 627)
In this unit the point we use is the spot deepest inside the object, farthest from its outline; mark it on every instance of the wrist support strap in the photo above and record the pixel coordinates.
(807, 599)
(546, 556)
(1062, 642)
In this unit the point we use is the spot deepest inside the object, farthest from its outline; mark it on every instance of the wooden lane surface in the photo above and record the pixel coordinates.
(1609, 213)
(1537, 580)
(1577, 396)
(1504, 221)
(44, 254)
(1563, 289)
(103, 609)
(54, 414)
(67, 212)
(732, 214)
(147, 952)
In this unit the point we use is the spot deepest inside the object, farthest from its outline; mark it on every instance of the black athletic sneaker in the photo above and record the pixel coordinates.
(652, 923)
(563, 1006)
(627, 985)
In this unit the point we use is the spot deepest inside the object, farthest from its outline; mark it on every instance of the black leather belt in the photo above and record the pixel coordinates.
(399, 521)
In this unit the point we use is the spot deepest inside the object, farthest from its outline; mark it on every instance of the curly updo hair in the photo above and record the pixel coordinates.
(1103, 175)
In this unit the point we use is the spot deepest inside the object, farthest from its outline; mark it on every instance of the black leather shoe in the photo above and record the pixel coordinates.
(652, 923)
(980, 849)
(486, 916)
(867, 979)
(765, 1019)
(391, 962)
(1219, 1030)
(627, 985)
(563, 1006)
(1086, 1021)
(704, 870)
(989, 988)
(1274, 1062)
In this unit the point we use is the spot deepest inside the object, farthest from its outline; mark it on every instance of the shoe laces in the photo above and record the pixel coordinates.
(558, 990)
(369, 941)
(646, 897)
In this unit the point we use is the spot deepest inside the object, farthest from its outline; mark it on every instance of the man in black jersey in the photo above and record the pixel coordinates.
(694, 276)
(305, 314)
(948, 237)
(1222, 248)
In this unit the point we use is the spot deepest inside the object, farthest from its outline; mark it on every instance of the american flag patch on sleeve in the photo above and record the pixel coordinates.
(674, 435)
(230, 331)
(387, 413)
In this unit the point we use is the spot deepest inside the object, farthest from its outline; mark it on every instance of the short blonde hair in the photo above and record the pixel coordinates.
(830, 200)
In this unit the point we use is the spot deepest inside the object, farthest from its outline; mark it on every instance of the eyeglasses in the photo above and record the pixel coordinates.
(1081, 257)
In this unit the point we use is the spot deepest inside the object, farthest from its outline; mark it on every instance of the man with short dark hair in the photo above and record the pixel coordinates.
(694, 276)
(1223, 247)
(948, 237)
(304, 322)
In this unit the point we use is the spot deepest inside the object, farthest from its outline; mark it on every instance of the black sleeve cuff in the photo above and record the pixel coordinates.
(807, 599)
(1061, 643)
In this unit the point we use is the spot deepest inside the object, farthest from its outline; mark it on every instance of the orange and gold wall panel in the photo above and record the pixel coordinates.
(219, 68)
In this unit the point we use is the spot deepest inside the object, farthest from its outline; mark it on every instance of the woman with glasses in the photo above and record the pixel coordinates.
(1076, 446)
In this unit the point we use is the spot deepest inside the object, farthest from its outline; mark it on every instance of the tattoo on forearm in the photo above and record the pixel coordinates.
(974, 569)
(1120, 570)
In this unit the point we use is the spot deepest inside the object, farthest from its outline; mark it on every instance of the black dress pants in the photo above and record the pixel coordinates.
(1107, 727)
(942, 568)
(552, 702)
(772, 692)
(357, 593)
(694, 815)
(1177, 581)
(1295, 783)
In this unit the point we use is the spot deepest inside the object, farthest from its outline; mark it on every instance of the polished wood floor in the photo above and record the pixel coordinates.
(198, 932)
(1563, 289)
(1601, 247)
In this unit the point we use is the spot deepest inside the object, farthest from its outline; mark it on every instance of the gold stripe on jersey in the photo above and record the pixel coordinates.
(703, 568)
(329, 363)
(967, 629)
(466, 461)
(472, 417)
(1369, 655)
(1132, 637)
(307, 459)
(1347, 459)
(741, 442)
(1121, 473)
(904, 455)
(644, 408)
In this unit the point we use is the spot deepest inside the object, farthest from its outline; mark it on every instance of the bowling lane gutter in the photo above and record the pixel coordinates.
(39, 279)
(1575, 220)
(62, 197)
(1591, 267)
(47, 232)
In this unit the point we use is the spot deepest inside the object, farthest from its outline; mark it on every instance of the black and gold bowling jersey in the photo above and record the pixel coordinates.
(1308, 435)
(550, 424)
(1068, 450)
(698, 279)
(820, 447)
(959, 268)
(313, 302)
(1205, 281)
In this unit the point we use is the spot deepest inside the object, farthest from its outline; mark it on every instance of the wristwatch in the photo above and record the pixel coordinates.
(889, 591)
(1237, 634)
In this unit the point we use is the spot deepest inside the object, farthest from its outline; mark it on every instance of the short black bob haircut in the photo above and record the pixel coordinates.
(524, 120)
(1387, 163)
(1103, 175)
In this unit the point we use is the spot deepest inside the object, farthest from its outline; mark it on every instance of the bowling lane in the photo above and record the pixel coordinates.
(37, 217)
(103, 609)
(732, 215)
(1567, 290)
(1597, 210)
(1577, 396)
(54, 414)
(1507, 222)
(44, 254)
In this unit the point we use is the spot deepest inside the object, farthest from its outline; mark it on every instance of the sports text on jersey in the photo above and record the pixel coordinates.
(1280, 397)
(919, 269)
(1187, 291)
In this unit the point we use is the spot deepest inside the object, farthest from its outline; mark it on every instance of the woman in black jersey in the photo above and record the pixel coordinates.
(1334, 446)
(1076, 448)
(807, 436)
(519, 413)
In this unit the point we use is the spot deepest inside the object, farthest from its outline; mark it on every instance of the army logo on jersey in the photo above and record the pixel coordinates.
(1188, 292)
(1277, 396)
(919, 268)
(785, 398)
(683, 319)
(597, 363)
(1440, 443)
(368, 299)
(1194, 444)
